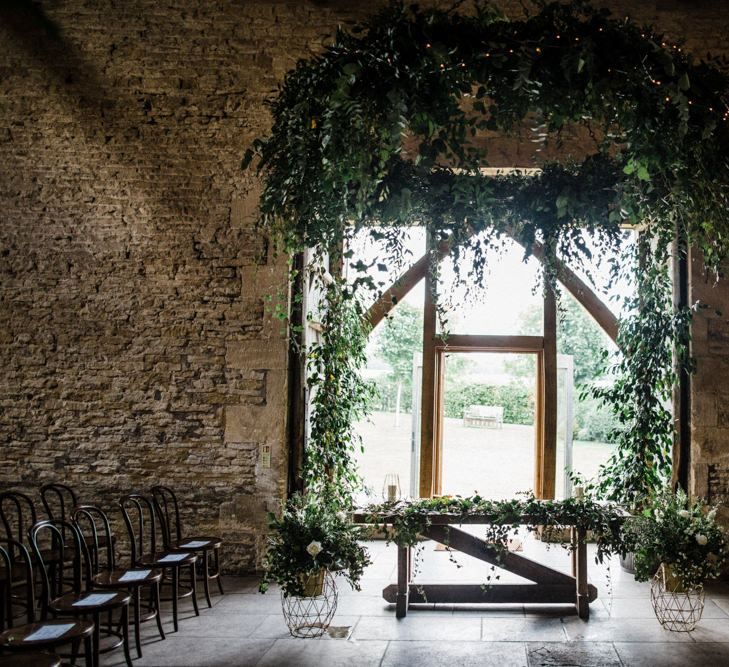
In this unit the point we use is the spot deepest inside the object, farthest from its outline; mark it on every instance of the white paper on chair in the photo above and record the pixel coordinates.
(49, 632)
(135, 575)
(94, 599)
(195, 544)
(172, 558)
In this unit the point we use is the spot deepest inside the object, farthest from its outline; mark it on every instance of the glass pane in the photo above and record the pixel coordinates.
(512, 289)
(391, 434)
(583, 424)
(488, 427)
(376, 254)
(599, 274)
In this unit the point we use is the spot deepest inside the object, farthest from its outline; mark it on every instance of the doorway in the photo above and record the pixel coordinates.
(488, 417)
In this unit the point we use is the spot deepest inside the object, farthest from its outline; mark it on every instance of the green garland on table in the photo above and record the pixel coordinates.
(407, 519)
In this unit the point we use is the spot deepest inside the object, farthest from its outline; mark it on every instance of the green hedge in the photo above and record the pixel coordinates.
(517, 400)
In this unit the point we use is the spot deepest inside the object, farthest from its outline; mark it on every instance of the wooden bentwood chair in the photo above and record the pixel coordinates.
(94, 526)
(169, 514)
(83, 600)
(35, 635)
(140, 519)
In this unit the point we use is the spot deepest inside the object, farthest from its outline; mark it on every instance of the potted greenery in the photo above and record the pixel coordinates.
(309, 544)
(678, 545)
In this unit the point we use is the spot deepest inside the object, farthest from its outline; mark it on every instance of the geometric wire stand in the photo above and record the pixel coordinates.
(310, 617)
(676, 609)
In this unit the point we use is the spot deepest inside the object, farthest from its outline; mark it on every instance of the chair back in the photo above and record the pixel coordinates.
(18, 514)
(168, 511)
(59, 500)
(65, 540)
(140, 518)
(93, 525)
(13, 555)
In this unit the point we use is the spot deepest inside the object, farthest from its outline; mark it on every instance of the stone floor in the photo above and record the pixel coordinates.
(247, 628)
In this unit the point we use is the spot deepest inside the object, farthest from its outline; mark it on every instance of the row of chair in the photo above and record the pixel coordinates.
(72, 554)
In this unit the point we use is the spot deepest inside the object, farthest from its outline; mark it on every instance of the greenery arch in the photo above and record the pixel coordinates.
(382, 131)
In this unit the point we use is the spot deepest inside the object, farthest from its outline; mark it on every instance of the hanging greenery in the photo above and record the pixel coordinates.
(651, 335)
(382, 131)
(339, 396)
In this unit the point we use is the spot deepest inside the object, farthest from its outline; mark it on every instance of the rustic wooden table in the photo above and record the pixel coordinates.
(549, 585)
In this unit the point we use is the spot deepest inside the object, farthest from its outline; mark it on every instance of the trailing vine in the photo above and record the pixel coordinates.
(381, 132)
(651, 335)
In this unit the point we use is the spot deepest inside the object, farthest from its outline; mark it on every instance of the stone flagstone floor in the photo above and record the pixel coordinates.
(246, 628)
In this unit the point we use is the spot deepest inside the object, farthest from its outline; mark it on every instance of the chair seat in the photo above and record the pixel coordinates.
(186, 558)
(30, 660)
(66, 603)
(15, 638)
(197, 543)
(113, 579)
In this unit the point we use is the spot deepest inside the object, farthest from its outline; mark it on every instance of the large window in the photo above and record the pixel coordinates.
(500, 403)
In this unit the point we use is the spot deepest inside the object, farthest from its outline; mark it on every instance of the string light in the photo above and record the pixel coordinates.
(538, 50)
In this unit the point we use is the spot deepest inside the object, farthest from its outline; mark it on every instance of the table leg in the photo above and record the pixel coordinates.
(403, 581)
(573, 552)
(583, 601)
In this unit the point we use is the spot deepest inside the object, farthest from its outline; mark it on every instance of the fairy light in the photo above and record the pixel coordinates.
(538, 50)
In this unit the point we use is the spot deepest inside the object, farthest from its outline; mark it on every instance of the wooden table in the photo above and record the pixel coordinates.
(549, 585)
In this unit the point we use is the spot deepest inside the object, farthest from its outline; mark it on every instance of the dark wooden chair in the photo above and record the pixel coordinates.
(96, 528)
(59, 501)
(24, 641)
(140, 518)
(82, 600)
(169, 513)
(18, 514)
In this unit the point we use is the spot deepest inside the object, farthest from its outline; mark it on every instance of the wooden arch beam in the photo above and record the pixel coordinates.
(569, 279)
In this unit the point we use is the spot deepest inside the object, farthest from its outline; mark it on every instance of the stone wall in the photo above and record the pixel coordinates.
(135, 342)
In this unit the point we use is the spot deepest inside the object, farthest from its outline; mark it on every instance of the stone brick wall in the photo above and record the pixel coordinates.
(135, 345)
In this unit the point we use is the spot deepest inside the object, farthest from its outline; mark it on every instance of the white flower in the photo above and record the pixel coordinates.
(711, 515)
(314, 548)
(684, 514)
(342, 516)
(701, 539)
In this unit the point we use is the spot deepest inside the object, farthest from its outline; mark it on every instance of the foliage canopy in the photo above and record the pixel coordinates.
(382, 131)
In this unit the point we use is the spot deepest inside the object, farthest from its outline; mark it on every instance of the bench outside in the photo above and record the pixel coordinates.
(483, 415)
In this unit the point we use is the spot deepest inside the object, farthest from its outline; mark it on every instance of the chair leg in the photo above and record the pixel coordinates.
(97, 638)
(89, 652)
(158, 606)
(193, 585)
(217, 569)
(75, 644)
(125, 635)
(206, 576)
(175, 586)
(137, 623)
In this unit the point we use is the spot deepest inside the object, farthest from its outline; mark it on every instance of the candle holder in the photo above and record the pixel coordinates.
(391, 488)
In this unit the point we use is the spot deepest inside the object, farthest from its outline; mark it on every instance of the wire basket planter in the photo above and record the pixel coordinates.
(676, 608)
(310, 616)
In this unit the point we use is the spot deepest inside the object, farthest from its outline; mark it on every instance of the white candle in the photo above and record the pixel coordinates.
(392, 492)
(579, 492)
